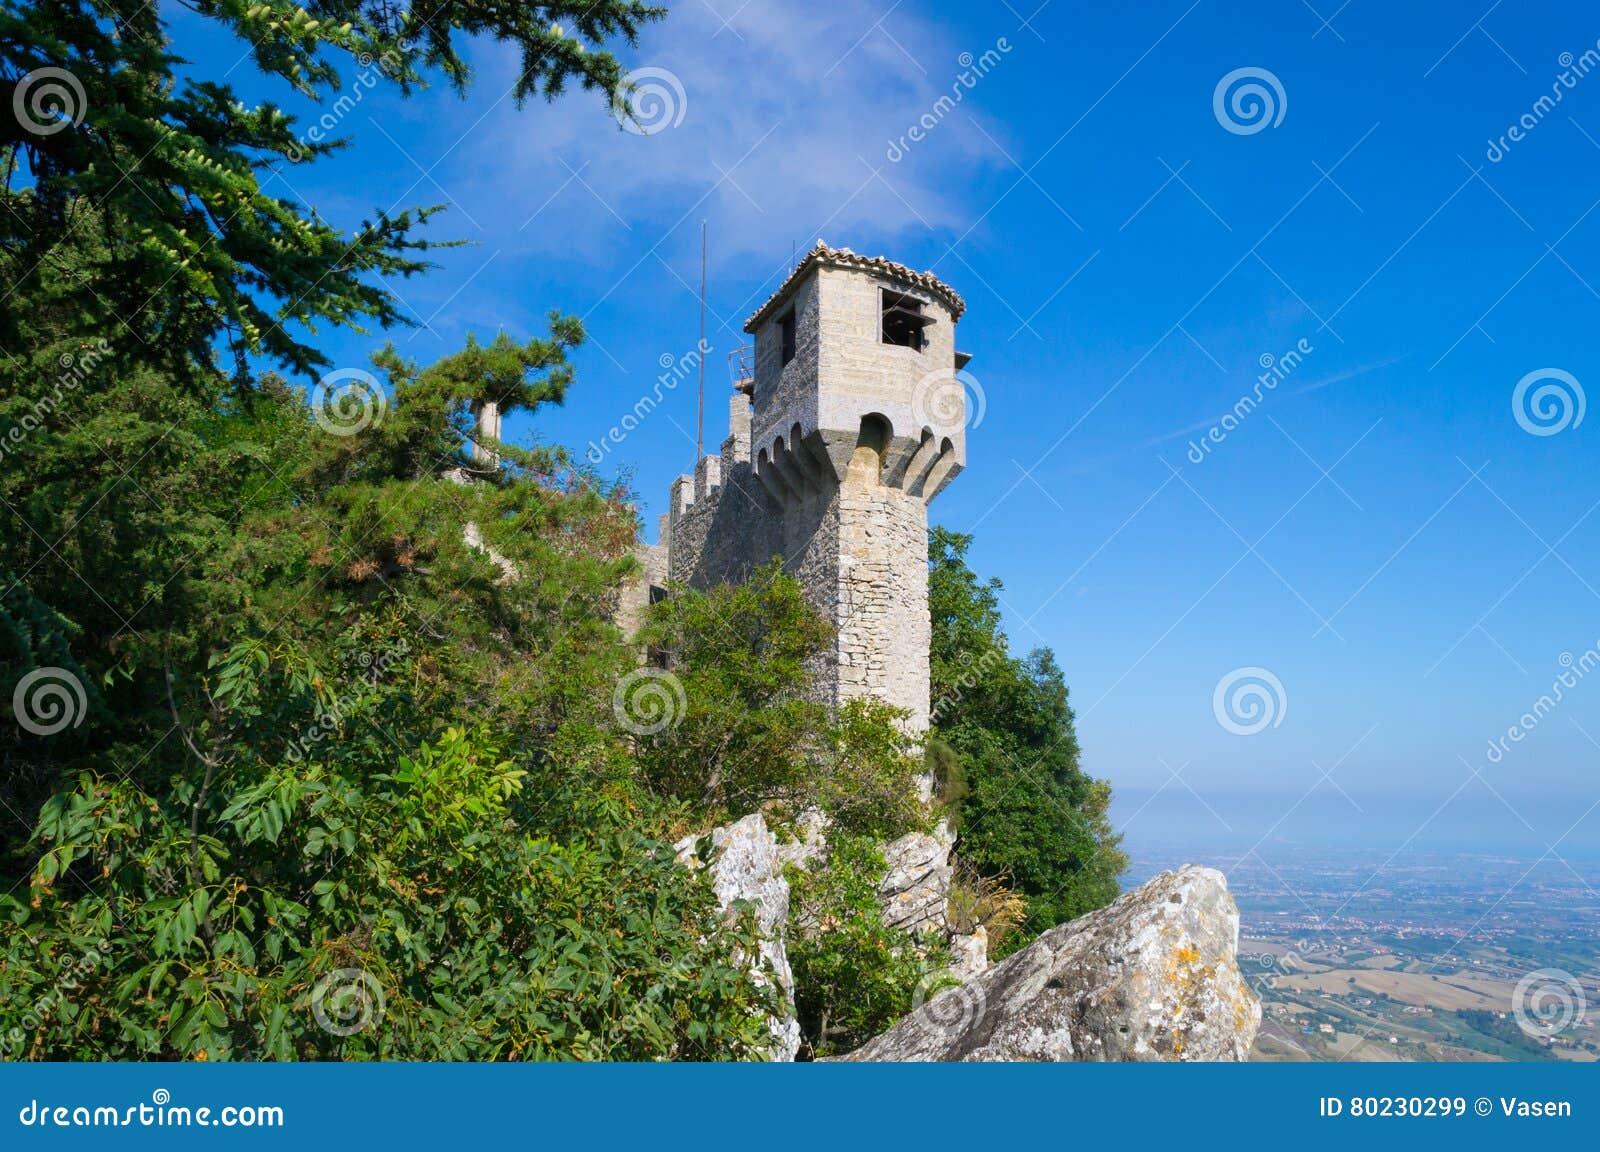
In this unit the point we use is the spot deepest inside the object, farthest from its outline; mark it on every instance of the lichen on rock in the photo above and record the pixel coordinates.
(1153, 976)
(916, 889)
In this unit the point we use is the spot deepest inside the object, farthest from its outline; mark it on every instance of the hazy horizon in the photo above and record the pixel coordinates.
(1169, 822)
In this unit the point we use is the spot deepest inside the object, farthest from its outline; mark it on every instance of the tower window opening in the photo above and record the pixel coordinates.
(786, 334)
(904, 322)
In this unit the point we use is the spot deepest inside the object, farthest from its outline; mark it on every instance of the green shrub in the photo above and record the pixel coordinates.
(853, 976)
(356, 902)
(752, 734)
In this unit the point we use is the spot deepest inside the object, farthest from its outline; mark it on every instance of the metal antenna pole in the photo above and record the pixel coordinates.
(700, 425)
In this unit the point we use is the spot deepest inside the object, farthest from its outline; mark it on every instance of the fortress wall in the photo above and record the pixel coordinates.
(721, 536)
(858, 549)
(634, 597)
(845, 509)
(809, 539)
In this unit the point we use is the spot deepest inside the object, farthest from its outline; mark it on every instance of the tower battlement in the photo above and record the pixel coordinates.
(853, 422)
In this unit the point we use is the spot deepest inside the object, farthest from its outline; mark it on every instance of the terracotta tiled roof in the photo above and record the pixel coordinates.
(822, 256)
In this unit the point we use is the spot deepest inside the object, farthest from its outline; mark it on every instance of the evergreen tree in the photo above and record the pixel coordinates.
(340, 736)
(155, 496)
(103, 140)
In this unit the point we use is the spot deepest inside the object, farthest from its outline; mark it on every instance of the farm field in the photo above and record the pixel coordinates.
(1410, 967)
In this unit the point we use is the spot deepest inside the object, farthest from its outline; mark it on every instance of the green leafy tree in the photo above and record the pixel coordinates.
(753, 734)
(1007, 752)
(304, 889)
(332, 835)
(854, 977)
(347, 752)
(154, 494)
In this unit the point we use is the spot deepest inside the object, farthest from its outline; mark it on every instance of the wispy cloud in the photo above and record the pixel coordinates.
(1206, 424)
(1315, 386)
(789, 112)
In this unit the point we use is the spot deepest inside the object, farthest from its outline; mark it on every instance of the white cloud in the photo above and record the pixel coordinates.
(789, 110)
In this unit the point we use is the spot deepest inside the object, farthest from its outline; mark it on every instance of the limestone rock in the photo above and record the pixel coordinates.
(810, 839)
(1154, 976)
(915, 890)
(969, 955)
(745, 865)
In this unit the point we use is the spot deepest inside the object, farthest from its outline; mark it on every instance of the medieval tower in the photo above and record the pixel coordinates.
(851, 422)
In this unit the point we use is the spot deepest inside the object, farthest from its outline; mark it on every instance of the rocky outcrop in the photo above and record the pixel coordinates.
(916, 889)
(1154, 976)
(745, 865)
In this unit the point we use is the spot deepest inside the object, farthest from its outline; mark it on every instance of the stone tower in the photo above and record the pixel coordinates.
(854, 420)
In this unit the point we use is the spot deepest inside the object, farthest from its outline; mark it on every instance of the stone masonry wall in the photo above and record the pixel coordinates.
(882, 614)
(719, 533)
(806, 474)
(859, 549)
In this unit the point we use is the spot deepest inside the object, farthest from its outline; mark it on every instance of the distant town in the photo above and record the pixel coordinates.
(1422, 957)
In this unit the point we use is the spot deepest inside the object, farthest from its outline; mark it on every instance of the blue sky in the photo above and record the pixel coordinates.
(1381, 534)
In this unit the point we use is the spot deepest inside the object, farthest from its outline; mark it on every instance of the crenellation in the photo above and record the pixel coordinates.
(736, 448)
(682, 494)
(707, 477)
